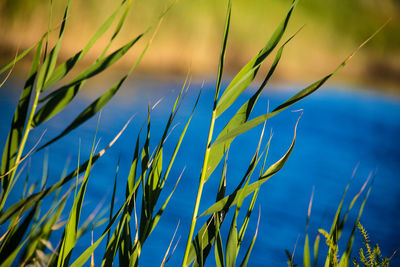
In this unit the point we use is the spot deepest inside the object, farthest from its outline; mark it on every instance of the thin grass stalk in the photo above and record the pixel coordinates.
(21, 147)
(200, 189)
(209, 139)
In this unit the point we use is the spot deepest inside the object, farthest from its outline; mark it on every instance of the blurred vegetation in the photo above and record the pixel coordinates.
(190, 37)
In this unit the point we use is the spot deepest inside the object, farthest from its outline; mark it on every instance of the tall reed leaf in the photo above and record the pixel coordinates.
(59, 99)
(89, 111)
(50, 61)
(345, 259)
(232, 199)
(63, 69)
(247, 74)
(71, 229)
(242, 115)
(19, 119)
(28, 202)
(17, 136)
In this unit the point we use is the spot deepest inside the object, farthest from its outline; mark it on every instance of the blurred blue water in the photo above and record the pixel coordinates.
(338, 130)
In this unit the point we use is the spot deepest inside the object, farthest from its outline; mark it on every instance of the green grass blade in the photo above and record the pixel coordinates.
(44, 231)
(247, 256)
(231, 248)
(50, 61)
(232, 199)
(89, 112)
(219, 251)
(349, 208)
(247, 74)
(130, 183)
(294, 99)
(113, 244)
(207, 233)
(306, 253)
(21, 55)
(15, 237)
(63, 69)
(203, 174)
(98, 104)
(205, 237)
(178, 145)
(11, 257)
(19, 119)
(59, 99)
(316, 249)
(84, 257)
(28, 202)
(157, 217)
(71, 228)
(223, 52)
(241, 116)
(117, 29)
(254, 197)
(345, 259)
(113, 197)
(313, 87)
(125, 246)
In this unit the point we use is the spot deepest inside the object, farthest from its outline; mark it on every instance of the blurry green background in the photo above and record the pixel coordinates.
(190, 35)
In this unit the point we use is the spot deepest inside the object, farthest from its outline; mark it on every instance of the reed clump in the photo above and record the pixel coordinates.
(46, 93)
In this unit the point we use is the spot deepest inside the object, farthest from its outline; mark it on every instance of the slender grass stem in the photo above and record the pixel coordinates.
(200, 188)
(20, 149)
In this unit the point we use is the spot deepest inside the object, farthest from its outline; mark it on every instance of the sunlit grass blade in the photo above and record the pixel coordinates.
(9, 72)
(231, 248)
(232, 199)
(349, 208)
(223, 53)
(118, 28)
(89, 112)
(99, 103)
(16, 236)
(205, 237)
(113, 197)
(164, 261)
(63, 69)
(125, 246)
(244, 127)
(11, 257)
(28, 202)
(306, 251)
(50, 61)
(45, 230)
(250, 248)
(238, 238)
(157, 217)
(333, 235)
(59, 99)
(241, 116)
(313, 87)
(247, 74)
(234, 240)
(316, 249)
(21, 56)
(15, 136)
(219, 250)
(71, 228)
(84, 257)
(345, 259)
(203, 176)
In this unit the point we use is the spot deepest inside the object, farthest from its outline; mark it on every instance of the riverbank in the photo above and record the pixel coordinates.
(192, 43)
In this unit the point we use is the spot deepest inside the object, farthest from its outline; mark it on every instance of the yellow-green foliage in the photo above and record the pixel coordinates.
(373, 257)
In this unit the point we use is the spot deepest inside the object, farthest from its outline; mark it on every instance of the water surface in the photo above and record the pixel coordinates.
(339, 130)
